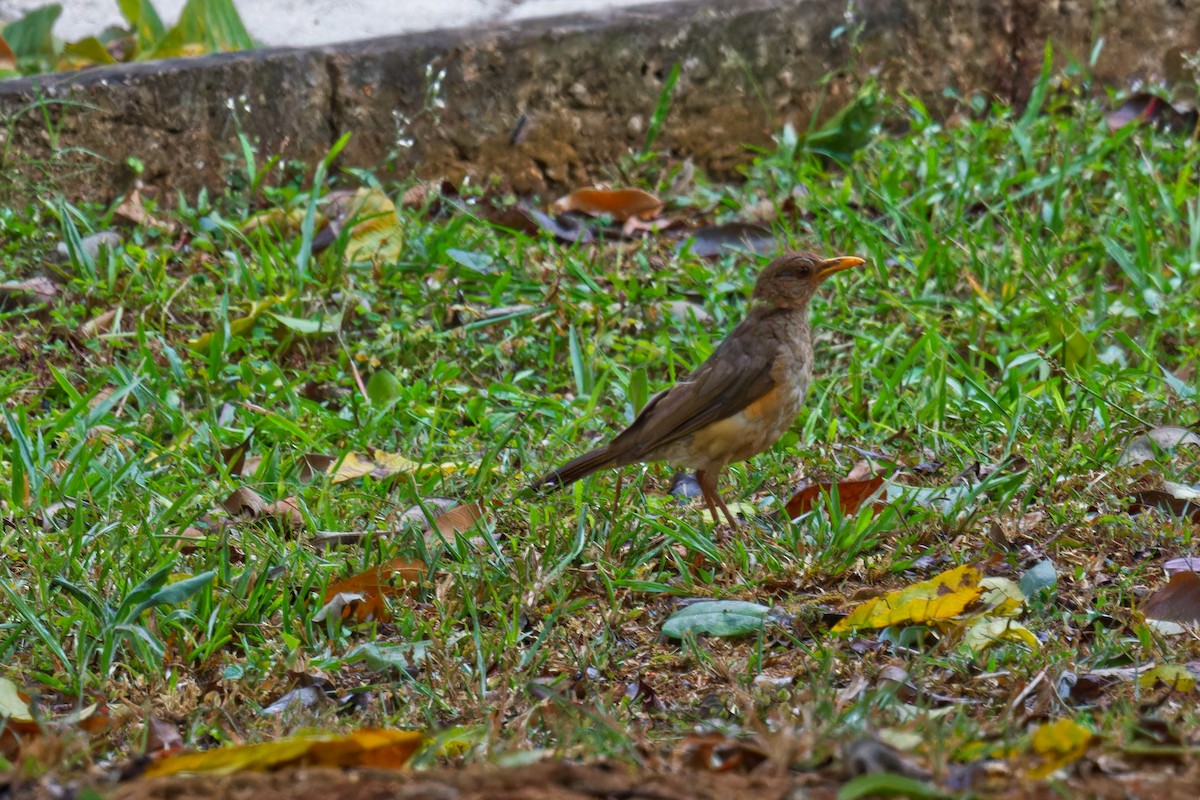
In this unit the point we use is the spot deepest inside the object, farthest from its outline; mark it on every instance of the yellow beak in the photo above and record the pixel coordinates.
(832, 265)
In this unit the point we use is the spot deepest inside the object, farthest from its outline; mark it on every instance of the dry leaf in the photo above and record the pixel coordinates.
(374, 585)
(851, 495)
(1178, 601)
(1058, 743)
(39, 289)
(368, 747)
(620, 204)
(943, 596)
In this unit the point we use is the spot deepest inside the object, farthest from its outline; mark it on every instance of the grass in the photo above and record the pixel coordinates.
(1029, 305)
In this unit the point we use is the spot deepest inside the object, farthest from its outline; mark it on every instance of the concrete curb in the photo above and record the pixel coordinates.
(549, 104)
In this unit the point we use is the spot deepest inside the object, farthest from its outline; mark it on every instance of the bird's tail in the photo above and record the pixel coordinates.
(576, 469)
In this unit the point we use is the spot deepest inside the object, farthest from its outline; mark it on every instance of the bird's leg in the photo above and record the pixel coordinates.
(708, 487)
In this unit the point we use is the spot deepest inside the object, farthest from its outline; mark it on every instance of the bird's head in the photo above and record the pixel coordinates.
(791, 280)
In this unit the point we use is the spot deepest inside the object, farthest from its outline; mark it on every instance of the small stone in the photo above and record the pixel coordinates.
(683, 311)
(92, 243)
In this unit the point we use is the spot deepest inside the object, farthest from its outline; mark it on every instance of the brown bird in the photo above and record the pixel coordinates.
(738, 402)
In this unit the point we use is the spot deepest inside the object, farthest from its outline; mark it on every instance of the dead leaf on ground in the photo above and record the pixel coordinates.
(99, 324)
(1162, 501)
(1144, 107)
(716, 752)
(39, 289)
(374, 585)
(380, 748)
(1058, 744)
(851, 495)
(377, 235)
(377, 464)
(133, 210)
(731, 237)
(1143, 448)
(1178, 601)
(162, 737)
(530, 221)
(943, 596)
(244, 502)
(620, 204)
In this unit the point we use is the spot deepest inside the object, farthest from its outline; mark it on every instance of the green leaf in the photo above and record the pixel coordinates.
(1039, 578)
(308, 327)
(210, 26)
(717, 618)
(476, 262)
(850, 129)
(31, 38)
(143, 18)
(177, 592)
(384, 388)
(388, 657)
(89, 50)
(887, 784)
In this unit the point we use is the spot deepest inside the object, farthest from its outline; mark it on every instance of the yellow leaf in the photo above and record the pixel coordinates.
(368, 747)
(987, 631)
(1179, 679)
(943, 596)
(242, 324)
(1059, 743)
(1002, 597)
(381, 464)
(376, 236)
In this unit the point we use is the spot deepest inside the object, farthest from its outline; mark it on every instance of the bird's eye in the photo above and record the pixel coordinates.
(796, 272)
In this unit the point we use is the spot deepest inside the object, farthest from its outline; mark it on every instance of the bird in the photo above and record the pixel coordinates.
(739, 401)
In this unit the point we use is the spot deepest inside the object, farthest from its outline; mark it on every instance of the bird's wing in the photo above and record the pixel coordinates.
(734, 376)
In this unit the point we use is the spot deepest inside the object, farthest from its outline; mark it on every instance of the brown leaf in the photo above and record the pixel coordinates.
(1178, 601)
(715, 752)
(367, 747)
(530, 221)
(1154, 499)
(375, 584)
(717, 240)
(244, 501)
(851, 495)
(620, 204)
(133, 210)
(39, 289)
(162, 737)
(286, 511)
(1148, 108)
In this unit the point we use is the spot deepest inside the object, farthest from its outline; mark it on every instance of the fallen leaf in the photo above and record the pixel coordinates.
(381, 464)
(244, 501)
(1178, 601)
(1148, 108)
(530, 221)
(374, 585)
(851, 495)
(620, 204)
(943, 596)
(732, 237)
(39, 289)
(1058, 743)
(377, 235)
(1175, 678)
(1162, 501)
(987, 630)
(716, 618)
(1143, 447)
(368, 747)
